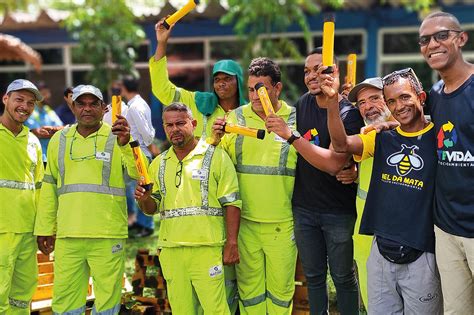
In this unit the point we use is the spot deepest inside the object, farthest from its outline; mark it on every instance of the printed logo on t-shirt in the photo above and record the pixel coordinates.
(404, 161)
(447, 138)
(312, 136)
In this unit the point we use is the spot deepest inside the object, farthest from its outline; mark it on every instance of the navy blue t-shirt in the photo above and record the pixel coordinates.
(314, 189)
(453, 116)
(399, 204)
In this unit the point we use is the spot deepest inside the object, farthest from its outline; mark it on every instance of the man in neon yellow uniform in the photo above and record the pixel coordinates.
(83, 206)
(266, 170)
(195, 187)
(21, 172)
(227, 94)
(228, 87)
(368, 96)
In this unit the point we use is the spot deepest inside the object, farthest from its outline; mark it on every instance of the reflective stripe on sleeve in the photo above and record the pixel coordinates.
(13, 184)
(229, 198)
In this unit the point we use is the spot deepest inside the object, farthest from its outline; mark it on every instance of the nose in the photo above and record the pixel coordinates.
(434, 41)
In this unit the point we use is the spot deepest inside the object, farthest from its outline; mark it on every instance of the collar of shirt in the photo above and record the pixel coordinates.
(134, 99)
(284, 110)
(23, 133)
(200, 149)
(104, 130)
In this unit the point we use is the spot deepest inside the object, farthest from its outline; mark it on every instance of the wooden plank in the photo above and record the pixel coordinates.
(45, 278)
(45, 267)
(43, 292)
(42, 257)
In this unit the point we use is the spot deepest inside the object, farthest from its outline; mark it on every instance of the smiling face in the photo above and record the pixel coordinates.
(311, 65)
(442, 54)
(18, 106)
(405, 105)
(88, 110)
(372, 106)
(225, 86)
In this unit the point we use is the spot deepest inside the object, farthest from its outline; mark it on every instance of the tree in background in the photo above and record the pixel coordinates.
(253, 19)
(107, 34)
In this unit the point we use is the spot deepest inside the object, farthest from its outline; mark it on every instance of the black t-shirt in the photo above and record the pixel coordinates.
(453, 116)
(399, 204)
(314, 189)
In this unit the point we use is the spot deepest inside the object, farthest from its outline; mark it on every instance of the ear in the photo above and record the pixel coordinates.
(463, 37)
(279, 88)
(194, 122)
(5, 99)
(422, 97)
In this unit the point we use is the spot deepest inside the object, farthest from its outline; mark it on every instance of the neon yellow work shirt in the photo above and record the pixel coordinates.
(168, 93)
(21, 173)
(83, 190)
(265, 168)
(191, 194)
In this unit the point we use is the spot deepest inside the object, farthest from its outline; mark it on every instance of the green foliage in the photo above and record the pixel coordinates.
(107, 34)
(13, 5)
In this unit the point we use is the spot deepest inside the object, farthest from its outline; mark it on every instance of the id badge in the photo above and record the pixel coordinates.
(198, 174)
(103, 156)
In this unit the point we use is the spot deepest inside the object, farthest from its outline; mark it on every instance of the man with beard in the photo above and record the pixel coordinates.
(21, 172)
(451, 106)
(196, 192)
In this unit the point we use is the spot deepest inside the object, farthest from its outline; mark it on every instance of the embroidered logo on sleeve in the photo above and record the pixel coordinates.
(116, 248)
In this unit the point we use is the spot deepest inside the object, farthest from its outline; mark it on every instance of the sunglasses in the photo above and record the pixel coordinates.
(440, 36)
(179, 172)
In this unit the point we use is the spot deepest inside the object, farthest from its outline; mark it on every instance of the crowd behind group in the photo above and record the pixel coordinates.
(359, 175)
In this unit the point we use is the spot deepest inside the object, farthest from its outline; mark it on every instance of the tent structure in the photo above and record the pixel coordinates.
(13, 49)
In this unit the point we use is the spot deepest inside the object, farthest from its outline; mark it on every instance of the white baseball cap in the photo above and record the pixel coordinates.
(375, 82)
(22, 84)
(86, 89)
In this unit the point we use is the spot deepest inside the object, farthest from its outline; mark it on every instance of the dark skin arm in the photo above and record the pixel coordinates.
(231, 250)
(145, 202)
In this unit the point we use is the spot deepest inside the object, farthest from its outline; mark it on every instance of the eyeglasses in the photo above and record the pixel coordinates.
(86, 157)
(440, 36)
(179, 171)
(372, 99)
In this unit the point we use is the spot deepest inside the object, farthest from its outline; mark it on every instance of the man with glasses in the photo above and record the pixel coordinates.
(196, 192)
(21, 172)
(402, 276)
(452, 111)
(82, 212)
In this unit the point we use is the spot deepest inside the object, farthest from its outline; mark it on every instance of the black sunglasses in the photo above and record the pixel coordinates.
(404, 73)
(440, 36)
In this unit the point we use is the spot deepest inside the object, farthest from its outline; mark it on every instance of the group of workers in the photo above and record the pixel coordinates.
(235, 210)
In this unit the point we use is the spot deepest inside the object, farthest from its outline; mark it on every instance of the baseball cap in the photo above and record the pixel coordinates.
(375, 82)
(22, 84)
(86, 89)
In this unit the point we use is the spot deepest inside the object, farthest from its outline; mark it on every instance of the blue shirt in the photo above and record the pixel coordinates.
(40, 117)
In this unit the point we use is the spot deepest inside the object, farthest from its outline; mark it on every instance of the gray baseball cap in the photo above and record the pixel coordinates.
(22, 84)
(86, 89)
(370, 82)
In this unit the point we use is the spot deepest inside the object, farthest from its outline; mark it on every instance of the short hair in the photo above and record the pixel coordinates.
(265, 67)
(42, 85)
(319, 51)
(408, 74)
(441, 14)
(178, 107)
(68, 91)
(130, 83)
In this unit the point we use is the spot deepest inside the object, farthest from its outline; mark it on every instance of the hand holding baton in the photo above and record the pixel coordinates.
(144, 180)
(175, 17)
(328, 44)
(264, 98)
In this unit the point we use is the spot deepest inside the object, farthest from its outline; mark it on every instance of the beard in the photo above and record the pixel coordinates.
(382, 118)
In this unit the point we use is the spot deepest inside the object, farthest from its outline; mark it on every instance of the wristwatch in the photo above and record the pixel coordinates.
(294, 135)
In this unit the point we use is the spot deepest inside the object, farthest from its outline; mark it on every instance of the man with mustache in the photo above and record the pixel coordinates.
(196, 192)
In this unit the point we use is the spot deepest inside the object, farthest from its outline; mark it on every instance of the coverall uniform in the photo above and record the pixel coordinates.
(83, 204)
(21, 173)
(190, 196)
(266, 170)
